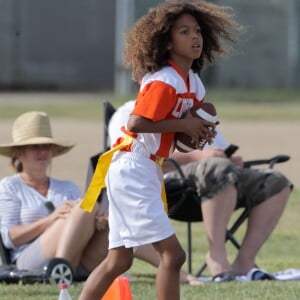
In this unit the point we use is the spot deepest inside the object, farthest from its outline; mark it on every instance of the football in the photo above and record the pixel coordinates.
(204, 110)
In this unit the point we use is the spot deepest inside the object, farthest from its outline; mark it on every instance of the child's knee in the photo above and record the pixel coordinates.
(175, 260)
(181, 258)
(120, 264)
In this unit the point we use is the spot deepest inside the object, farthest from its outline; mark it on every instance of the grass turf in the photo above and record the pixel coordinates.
(231, 104)
(281, 251)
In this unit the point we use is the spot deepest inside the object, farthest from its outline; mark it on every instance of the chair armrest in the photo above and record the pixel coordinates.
(271, 161)
(247, 164)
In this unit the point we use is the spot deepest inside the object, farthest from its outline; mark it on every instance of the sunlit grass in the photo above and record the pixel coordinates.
(281, 251)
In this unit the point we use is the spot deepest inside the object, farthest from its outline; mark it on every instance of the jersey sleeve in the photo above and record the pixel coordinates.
(155, 101)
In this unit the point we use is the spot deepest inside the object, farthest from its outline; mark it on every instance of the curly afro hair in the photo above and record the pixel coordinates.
(146, 42)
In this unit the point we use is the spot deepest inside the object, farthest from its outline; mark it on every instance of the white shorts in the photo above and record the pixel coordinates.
(136, 210)
(32, 257)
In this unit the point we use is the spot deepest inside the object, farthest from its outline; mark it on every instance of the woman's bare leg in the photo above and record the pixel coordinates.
(77, 232)
(68, 236)
(262, 221)
(216, 215)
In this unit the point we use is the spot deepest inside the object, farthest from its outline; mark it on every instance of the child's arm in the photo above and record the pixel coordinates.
(195, 127)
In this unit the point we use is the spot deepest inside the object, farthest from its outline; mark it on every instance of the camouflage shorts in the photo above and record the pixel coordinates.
(254, 186)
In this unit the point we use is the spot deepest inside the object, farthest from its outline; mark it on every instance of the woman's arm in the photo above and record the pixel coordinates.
(22, 234)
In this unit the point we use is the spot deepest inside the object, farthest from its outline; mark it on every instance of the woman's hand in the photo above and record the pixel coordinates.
(63, 211)
(101, 221)
(238, 161)
(21, 234)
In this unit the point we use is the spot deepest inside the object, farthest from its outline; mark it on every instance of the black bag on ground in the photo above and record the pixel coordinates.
(183, 200)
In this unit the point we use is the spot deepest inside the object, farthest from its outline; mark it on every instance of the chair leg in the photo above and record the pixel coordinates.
(201, 269)
(232, 239)
(229, 233)
(239, 221)
(189, 247)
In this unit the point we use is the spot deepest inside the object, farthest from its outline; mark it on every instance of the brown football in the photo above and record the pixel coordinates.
(204, 110)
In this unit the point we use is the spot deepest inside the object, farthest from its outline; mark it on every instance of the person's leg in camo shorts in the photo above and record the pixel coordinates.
(222, 188)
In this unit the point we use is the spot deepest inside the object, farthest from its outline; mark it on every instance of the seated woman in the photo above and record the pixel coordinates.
(33, 205)
(41, 216)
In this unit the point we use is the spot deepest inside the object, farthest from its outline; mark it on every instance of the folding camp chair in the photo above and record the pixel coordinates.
(4, 253)
(108, 111)
(56, 270)
(192, 213)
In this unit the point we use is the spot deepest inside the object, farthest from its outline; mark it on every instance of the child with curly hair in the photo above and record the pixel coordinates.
(166, 49)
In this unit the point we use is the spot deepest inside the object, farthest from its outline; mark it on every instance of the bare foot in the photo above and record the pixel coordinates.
(241, 268)
(189, 279)
(217, 265)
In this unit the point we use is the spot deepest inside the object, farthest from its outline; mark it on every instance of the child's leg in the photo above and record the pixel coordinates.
(172, 257)
(118, 261)
(148, 254)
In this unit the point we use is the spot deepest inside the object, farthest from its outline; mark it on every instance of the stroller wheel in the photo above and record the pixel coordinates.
(58, 270)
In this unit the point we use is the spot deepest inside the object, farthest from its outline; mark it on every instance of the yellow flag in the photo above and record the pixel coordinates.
(164, 196)
(98, 180)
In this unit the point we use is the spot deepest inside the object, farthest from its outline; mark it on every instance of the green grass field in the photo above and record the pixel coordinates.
(281, 251)
(231, 104)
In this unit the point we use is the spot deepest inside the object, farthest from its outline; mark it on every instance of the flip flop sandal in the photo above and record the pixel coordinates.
(258, 274)
(224, 277)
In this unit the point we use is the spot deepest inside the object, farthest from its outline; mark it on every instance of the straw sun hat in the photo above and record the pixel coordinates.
(33, 128)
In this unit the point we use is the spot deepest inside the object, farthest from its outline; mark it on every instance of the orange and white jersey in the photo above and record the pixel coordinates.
(164, 95)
